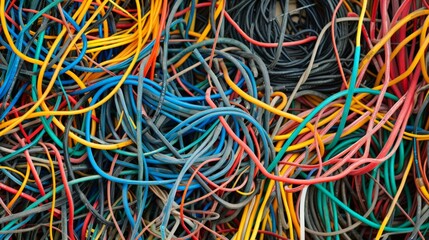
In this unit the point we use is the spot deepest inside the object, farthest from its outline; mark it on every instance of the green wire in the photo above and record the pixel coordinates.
(312, 114)
(349, 98)
(327, 219)
(363, 219)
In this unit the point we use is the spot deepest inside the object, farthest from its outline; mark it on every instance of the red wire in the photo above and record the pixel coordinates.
(266, 45)
(334, 42)
(86, 222)
(182, 203)
(373, 18)
(150, 66)
(31, 165)
(26, 196)
(180, 82)
(66, 189)
(426, 4)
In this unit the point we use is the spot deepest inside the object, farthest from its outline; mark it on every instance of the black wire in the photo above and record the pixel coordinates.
(287, 64)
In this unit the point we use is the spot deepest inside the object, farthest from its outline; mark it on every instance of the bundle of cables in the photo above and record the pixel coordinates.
(295, 31)
(194, 119)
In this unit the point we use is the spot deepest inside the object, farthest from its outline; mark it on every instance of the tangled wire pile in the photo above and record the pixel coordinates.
(197, 119)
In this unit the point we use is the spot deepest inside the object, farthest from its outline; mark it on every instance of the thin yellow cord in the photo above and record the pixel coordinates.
(395, 199)
(21, 188)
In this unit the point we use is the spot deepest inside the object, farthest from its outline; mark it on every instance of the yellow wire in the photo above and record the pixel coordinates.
(242, 222)
(283, 96)
(422, 187)
(82, 11)
(123, 10)
(193, 19)
(288, 213)
(35, 164)
(254, 224)
(238, 179)
(308, 142)
(396, 51)
(21, 188)
(109, 216)
(265, 106)
(43, 66)
(260, 213)
(105, 24)
(395, 199)
(264, 226)
(40, 102)
(13, 170)
(360, 23)
(261, 207)
(54, 190)
(203, 34)
(411, 68)
(347, 5)
(393, 30)
(425, 192)
(423, 58)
